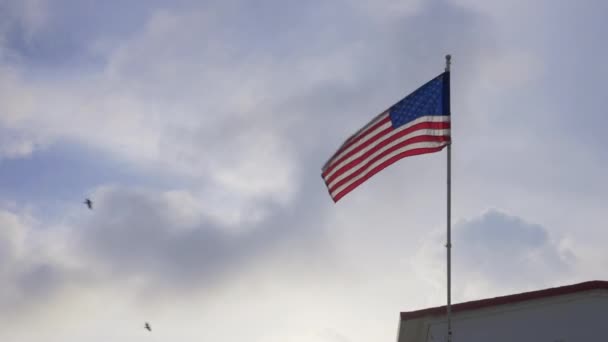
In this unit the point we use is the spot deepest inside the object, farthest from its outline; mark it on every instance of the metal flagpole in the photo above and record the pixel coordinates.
(448, 60)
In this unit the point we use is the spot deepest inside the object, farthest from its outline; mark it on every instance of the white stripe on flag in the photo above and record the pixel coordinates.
(359, 165)
(430, 118)
(430, 144)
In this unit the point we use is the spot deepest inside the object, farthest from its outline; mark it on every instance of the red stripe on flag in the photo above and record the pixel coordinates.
(360, 135)
(379, 168)
(390, 138)
(370, 162)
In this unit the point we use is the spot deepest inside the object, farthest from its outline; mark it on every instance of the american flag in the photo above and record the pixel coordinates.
(418, 124)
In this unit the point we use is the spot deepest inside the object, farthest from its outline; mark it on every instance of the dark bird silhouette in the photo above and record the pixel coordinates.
(147, 326)
(89, 203)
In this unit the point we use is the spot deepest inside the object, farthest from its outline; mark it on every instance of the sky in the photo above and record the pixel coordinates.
(199, 128)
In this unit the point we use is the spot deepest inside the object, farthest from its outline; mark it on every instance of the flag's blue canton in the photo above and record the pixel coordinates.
(426, 100)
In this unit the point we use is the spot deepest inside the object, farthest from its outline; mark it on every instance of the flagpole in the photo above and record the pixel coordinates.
(448, 60)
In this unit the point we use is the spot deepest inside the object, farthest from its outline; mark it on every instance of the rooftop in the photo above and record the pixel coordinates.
(510, 299)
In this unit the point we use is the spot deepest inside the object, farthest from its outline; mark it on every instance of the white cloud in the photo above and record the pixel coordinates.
(31, 271)
(183, 108)
(495, 254)
(389, 9)
(506, 70)
(13, 236)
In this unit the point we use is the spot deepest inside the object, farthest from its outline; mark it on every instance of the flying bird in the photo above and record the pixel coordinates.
(147, 326)
(89, 203)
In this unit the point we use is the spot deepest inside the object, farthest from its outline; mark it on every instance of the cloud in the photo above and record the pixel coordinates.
(177, 239)
(229, 115)
(245, 124)
(519, 247)
(30, 273)
(497, 253)
(152, 248)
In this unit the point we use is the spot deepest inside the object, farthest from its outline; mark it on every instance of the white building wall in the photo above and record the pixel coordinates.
(570, 318)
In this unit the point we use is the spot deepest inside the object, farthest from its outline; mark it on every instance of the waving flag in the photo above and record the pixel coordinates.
(418, 124)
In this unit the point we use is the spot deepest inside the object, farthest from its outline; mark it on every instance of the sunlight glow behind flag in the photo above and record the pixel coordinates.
(418, 124)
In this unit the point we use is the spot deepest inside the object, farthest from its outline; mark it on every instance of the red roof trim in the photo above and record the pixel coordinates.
(510, 299)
